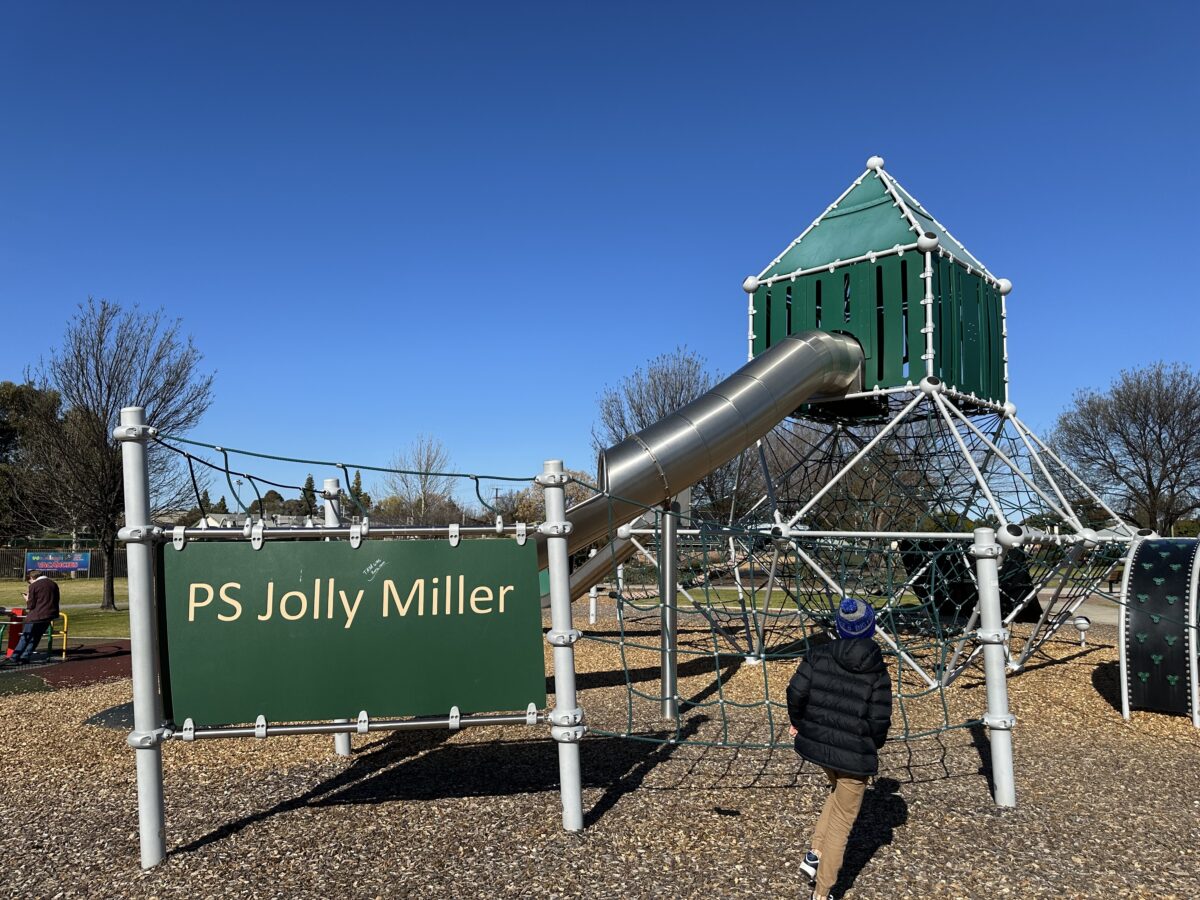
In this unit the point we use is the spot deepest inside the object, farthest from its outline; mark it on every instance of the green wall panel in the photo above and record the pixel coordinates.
(308, 630)
(779, 312)
(968, 349)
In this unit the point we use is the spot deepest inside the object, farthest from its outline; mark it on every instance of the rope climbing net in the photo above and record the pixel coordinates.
(881, 507)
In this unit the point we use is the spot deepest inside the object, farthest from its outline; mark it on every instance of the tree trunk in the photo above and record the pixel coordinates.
(109, 547)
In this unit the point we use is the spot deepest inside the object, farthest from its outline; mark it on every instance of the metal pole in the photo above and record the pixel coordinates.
(147, 733)
(992, 635)
(566, 718)
(668, 593)
(330, 491)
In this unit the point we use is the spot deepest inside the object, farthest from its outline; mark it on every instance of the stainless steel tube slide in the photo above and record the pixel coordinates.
(674, 453)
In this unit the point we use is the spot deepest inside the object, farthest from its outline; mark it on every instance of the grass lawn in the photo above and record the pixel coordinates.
(80, 599)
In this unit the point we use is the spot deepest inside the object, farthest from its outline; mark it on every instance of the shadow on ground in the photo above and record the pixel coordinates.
(420, 765)
(883, 810)
(1106, 679)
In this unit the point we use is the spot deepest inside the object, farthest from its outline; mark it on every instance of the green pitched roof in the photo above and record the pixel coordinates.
(874, 216)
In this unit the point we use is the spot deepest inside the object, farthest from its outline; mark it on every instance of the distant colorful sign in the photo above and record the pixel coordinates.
(58, 560)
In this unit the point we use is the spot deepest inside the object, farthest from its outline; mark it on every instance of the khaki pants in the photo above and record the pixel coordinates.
(833, 828)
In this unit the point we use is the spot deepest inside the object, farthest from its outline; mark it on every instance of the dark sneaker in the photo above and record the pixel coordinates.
(809, 864)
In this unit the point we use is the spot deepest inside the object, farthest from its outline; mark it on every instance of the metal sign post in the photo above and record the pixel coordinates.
(332, 487)
(147, 733)
(566, 718)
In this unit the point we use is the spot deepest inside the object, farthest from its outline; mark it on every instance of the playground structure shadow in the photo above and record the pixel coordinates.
(421, 766)
(1106, 679)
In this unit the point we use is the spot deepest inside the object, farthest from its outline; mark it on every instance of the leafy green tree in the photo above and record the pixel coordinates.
(272, 504)
(357, 494)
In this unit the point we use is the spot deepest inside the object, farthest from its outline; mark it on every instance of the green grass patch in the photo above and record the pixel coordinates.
(80, 599)
(73, 591)
(96, 623)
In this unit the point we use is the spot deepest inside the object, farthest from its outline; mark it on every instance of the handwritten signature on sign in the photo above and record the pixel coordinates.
(373, 569)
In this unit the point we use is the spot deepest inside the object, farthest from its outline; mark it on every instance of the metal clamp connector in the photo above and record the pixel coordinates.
(140, 534)
(565, 717)
(1000, 723)
(134, 432)
(552, 479)
(179, 537)
(256, 535)
(189, 730)
(557, 638)
(356, 535)
(364, 722)
(455, 721)
(992, 637)
(531, 714)
(568, 735)
(554, 529)
(455, 537)
(992, 552)
(146, 740)
(260, 727)
(522, 533)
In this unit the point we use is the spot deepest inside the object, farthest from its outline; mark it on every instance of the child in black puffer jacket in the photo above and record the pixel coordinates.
(840, 705)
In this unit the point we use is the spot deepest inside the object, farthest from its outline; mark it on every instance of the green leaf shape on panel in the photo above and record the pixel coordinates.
(1172, 599)
(1144, 676)
(1141, 637)
(1175, 567)
(1155, 618)
(1172, 680)
(1171, 639)
(1147, 566)
(1142, 598)
(1156, 658)
(1159, 581)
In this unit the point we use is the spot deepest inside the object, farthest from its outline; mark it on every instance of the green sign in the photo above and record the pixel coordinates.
(308, 630)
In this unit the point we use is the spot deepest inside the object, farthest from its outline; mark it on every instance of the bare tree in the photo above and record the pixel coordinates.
(110, 358)
(421, 491)
(1138, 444)
(649, 394)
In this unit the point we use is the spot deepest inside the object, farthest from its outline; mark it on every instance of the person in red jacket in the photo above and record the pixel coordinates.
(840, 706)
(41, 608)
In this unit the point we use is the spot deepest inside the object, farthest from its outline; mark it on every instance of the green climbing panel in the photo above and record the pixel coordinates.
(1157, 638)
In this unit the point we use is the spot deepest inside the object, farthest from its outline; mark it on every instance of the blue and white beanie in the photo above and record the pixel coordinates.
(855, 619)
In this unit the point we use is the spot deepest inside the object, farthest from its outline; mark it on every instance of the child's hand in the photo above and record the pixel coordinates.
(792, 730)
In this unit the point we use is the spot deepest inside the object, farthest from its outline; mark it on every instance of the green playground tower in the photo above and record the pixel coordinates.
(876, 265)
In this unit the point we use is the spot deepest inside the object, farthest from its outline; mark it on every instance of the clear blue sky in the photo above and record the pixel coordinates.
(466, 220)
